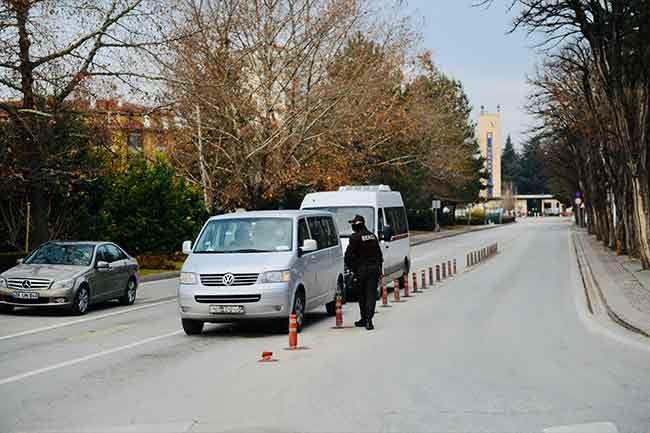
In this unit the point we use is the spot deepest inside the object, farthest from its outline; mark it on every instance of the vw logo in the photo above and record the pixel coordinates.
(228, 279)
(27, 284)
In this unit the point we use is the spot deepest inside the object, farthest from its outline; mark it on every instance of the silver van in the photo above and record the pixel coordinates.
(260, 265)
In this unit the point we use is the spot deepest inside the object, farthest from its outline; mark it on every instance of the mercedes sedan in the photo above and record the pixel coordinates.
(71, 275)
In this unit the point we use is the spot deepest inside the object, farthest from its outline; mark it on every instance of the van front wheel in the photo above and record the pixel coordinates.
(299, 309)
(192, 327)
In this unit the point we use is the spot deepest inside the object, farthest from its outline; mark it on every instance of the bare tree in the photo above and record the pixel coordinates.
(50, 49)
(615, 34)
(259, 73)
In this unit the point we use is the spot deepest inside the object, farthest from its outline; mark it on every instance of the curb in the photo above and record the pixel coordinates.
(450, 235)
(160, 276)
(591, 286)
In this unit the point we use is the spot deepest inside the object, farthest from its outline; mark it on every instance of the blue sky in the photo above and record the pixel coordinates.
(471, 45)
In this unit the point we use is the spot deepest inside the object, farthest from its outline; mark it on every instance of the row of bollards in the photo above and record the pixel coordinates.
(477, 256)
(443, 271)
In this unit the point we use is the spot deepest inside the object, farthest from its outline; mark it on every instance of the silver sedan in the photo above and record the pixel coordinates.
(72, 275)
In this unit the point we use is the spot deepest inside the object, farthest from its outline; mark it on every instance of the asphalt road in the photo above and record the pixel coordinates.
(505, 346)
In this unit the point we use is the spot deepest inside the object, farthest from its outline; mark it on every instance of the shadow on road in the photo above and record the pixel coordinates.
(61, 311)
(261, 328)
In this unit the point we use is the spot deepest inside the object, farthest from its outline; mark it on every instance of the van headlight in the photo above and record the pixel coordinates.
(188, 278)
(63, 284)
(276, 277)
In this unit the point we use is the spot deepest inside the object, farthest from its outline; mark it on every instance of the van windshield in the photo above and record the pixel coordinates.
(343, 214)
(246, 235)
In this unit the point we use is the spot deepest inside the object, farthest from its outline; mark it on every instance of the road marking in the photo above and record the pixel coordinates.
(86, 358)
(596, 427)
(99, 333)
(86, 319)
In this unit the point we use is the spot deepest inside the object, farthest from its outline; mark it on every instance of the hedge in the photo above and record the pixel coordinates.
(422, 219)
(8, 260)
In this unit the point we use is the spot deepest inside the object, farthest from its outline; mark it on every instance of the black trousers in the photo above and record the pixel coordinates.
(368, 294)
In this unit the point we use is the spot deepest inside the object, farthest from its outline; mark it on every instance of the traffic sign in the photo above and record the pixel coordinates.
(435, 204)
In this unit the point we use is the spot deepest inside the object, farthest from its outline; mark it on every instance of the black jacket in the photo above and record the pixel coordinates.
(363, 253)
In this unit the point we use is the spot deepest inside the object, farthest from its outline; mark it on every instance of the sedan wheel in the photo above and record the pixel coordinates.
(129, 293)
(81, 301)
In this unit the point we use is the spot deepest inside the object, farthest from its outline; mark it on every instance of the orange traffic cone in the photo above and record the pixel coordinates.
(293, 332)
(339, 312)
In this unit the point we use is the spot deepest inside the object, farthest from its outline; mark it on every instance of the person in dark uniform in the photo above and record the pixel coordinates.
(364, 259)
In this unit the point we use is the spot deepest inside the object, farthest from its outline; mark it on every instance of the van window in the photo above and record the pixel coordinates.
(330, 229)
(320, 231)
(303, 232)
(396, 218)
(246, 235)
(343, 214)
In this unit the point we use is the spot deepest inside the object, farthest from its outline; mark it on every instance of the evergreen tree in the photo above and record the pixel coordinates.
(531, 178)
(509, 162)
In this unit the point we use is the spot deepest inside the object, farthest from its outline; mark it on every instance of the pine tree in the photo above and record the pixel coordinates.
(509, 162)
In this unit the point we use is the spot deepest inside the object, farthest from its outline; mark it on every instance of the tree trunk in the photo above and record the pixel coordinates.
(39, 224)
(641, 202)
(611, 235)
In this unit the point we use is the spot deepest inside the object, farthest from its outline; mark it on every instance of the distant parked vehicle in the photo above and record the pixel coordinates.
(260, 265)
(70, 275)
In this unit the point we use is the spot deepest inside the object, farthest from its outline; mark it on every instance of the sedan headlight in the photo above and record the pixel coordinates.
(63, 284)
(3, 283)
(188, 278)
(276, 277)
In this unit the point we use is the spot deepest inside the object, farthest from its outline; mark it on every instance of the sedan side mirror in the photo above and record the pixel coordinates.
(187, 248)
(309, 245)
(103, 266)
(20, 261)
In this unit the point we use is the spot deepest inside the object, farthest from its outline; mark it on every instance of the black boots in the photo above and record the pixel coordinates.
(369, 325)
(360, 323)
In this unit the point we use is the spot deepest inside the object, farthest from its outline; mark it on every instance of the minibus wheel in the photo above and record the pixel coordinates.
(299, 308)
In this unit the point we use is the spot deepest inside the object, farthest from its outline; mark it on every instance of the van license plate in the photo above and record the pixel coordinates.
(226, 309)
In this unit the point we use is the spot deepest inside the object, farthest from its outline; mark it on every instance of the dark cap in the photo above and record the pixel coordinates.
(358, 219)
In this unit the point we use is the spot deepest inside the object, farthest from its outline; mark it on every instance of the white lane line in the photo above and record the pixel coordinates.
(86, 319)
(85, 358)
(596, 427)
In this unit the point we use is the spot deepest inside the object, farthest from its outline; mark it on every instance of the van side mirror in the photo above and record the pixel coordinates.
(309, 245)
(187, 248)
(386, 234)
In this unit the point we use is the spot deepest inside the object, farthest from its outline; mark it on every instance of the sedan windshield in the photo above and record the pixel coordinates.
(246, 235)
(62, 254)
(344, 214)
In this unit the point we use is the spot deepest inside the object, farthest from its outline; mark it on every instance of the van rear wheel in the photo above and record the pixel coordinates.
(331, 306)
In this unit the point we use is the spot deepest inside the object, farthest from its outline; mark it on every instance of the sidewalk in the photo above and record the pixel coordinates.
(417, 238)
(619, 281)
